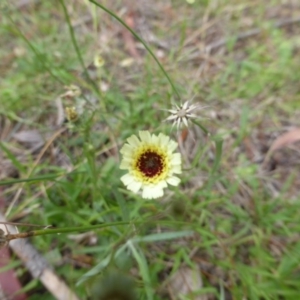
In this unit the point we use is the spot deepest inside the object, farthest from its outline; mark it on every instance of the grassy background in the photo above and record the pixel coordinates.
(244, 217)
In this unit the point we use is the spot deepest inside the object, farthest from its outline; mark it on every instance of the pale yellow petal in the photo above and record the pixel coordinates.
(134, 186)
(152, 192)
(176, 169)
(126, 164)
(134, 141)
(162, 184)
(176, 159)
(127, 150)
(155, 139)
(172, 146)
(127, 179)
(173, 180)
(145, 136)
(163, 139)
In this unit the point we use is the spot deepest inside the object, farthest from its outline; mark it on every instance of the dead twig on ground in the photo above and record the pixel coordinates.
(37, 265)
(249, 33)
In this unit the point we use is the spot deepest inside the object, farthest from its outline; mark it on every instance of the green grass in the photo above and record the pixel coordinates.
(225, 217)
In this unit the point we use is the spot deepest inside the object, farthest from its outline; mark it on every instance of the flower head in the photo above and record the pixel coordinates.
(72, 91)
(181, 114)
(98, 61)
(71, 114)
(151, 164)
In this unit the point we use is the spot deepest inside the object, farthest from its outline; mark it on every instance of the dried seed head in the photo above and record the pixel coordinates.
(182, 114)
(72, 91)
(71, 114)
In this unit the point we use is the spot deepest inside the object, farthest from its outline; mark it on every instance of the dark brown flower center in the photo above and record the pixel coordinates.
(150, 164)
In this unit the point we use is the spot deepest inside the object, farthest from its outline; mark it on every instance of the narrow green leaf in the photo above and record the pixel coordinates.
(163, 236)
(99, 267)
(200, 126)
(122, 205)
(32, 179)
(219, 145)
(12, 157)
(143, 266)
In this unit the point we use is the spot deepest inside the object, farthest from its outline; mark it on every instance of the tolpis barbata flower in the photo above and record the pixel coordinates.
(182, 114)
(151, 164)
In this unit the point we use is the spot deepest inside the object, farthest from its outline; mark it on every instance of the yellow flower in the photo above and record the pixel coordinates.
(71, 114)
(151, 164)
(99, 61)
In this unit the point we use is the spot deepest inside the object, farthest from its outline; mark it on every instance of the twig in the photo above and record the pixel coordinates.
(23, 224)
(249, 33)
(252, 32)
(38, 266)
(22, 3)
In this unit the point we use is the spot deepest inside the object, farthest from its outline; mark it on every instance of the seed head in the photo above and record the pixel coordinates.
(182, 114)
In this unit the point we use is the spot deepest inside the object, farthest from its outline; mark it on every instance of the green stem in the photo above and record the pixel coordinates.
(39, 178)
(76, 47)
(141, 40)
(218, 157)
(82, 228)
(200, 126)
(63, 230)
(37, 54)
